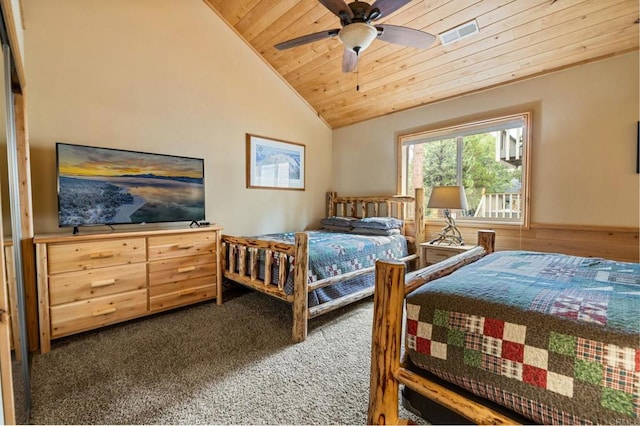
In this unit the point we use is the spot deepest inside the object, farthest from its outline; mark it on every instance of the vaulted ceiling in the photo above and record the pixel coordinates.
(517, 39)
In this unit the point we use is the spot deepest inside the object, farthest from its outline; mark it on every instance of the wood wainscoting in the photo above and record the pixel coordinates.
(617, 243)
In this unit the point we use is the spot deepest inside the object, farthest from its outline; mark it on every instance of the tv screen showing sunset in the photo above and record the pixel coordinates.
(108, 186)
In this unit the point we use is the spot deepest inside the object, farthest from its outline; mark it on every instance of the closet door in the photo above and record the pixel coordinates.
(6, 374)
(17, 280)
(9, 336)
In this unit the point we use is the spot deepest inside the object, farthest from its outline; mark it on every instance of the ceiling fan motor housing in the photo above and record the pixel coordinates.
(361, 13)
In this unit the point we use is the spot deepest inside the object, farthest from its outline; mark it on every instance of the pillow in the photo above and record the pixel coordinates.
(378, 223)
(336, 228)
(338, 221)
(372, 231)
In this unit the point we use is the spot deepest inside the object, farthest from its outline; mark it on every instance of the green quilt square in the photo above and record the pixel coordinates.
(562, 344)
(589, 372)
(618, 401)
(472, 358)
(441, 318)
(456, 338)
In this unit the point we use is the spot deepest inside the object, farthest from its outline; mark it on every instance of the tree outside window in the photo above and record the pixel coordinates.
(488, 158)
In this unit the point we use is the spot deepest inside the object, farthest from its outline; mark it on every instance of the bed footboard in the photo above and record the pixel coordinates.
(387, 372)
(240, 263)
(240, 258)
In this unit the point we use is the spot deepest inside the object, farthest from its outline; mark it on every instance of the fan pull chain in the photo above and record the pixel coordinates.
(357, 72)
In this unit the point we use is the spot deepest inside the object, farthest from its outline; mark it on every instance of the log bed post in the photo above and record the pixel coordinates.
(331, 206)
(388, 301)
(392, 285)
(487, 240)
(301, 287)
(418, 215)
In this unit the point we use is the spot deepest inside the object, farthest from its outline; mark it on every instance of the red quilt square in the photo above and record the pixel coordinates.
(513, 351)
(493, 328)
(637, 359)
(412, 327)
(423, 346)
(534, 376)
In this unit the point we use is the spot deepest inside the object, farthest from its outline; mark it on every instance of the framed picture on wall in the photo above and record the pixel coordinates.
(275, 164)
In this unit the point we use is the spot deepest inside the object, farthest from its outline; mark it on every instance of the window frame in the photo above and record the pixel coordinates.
(461, 127)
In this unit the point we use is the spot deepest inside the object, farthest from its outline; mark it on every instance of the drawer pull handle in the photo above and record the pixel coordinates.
(185, 246)
(104, 312)
(101, 255)
(186, 269)
(186, 292)
(103, 283)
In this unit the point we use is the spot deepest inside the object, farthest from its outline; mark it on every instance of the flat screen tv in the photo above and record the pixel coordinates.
(105, 186)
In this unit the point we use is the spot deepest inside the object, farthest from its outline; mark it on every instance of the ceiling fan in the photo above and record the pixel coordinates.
(358, 32)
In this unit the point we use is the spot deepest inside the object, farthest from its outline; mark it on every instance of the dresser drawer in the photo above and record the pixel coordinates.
(180, 297)
(81, 285)
(94, 254)
(166, 247)
(184, 287)
(180, 269)
(88, 314)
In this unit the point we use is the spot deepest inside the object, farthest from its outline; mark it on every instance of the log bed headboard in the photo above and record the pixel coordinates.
(404, 207)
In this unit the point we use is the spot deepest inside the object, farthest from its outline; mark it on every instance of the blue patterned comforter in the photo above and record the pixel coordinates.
(553, 337)
(335, 253)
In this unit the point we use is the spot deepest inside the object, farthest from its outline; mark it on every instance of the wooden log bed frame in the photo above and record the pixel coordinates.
(387, 369)
(237, 250)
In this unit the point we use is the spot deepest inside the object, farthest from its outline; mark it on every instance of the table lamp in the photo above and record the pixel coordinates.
(448, 197)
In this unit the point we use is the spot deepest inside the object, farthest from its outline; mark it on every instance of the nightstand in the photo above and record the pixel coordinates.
(434, 253)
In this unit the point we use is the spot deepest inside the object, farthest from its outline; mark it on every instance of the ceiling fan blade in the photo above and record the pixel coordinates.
(386, 7)
(338, 7)
(349, 60)
(405, 36)
(307, 39)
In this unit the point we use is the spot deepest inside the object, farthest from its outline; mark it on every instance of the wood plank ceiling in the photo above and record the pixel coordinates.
(518, 39)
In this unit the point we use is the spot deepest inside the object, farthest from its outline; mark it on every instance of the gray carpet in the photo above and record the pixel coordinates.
(209, 364)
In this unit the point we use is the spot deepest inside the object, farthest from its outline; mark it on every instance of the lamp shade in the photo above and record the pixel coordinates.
(447, 197)
(357, 36)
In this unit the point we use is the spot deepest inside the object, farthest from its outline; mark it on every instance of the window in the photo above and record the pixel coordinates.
(488, 158)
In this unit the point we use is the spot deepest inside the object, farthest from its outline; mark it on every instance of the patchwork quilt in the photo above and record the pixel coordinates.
(335, 253)
(553, 337)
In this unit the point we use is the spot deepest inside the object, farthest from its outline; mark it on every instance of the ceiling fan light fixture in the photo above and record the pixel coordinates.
(357, 36)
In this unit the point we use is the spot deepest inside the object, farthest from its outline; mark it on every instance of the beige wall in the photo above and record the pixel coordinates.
(583, 152)
(165, 76)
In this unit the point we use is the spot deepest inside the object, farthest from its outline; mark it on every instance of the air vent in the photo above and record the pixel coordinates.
(459, 32)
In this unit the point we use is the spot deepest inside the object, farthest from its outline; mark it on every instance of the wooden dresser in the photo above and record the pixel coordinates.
(89, 281)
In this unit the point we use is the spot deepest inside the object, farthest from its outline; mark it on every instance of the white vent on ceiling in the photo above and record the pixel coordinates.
(459, 32)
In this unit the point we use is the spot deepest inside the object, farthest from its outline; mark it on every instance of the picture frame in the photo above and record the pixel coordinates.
(274, 163)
